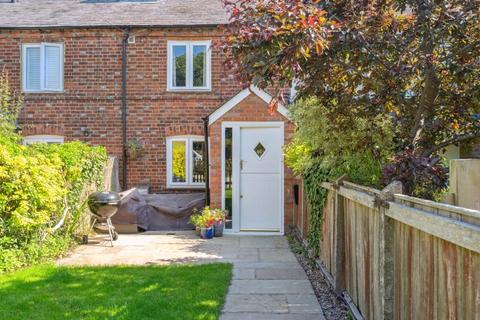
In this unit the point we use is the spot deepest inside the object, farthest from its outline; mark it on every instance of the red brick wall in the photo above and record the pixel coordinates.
(89, 109)
(250, 109)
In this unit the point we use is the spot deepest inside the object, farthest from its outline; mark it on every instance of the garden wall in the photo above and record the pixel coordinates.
(397, 257)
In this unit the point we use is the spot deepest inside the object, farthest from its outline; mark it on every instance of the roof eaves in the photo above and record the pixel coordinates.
(111, 26)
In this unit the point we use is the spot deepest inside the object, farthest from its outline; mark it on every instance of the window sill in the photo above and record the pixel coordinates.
(40, 92)
(182, 90)
(185, 187)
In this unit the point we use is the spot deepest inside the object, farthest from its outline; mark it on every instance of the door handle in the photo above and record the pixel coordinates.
(241, 164)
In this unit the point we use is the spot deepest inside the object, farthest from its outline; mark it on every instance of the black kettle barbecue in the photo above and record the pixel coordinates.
(103, 206)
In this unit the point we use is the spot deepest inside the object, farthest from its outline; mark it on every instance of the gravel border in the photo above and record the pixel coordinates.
(333, 306)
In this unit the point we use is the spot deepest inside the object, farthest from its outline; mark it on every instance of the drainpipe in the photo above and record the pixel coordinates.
(206, 162)
(124, 107)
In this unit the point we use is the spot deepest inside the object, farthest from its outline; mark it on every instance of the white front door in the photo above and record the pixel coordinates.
(261, 179)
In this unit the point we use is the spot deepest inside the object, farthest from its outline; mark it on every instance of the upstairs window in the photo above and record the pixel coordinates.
(189, 65)
(185, 162)
(42, 67)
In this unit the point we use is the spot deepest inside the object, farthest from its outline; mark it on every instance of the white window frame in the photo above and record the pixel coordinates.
(189, 66)
(188, 159)
(42, 66)
(43, 139)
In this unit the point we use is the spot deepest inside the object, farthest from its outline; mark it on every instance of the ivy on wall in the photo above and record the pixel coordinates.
(316, 195)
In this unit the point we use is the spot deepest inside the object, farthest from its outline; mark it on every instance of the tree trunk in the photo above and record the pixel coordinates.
(425, 112)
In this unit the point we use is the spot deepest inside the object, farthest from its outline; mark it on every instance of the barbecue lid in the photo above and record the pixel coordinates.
(104, 197)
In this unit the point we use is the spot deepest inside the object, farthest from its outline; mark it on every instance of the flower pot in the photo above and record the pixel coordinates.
(197, 231)
(218, 228)
(206, 233)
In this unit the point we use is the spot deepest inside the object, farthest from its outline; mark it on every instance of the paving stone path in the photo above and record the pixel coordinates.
(268, 282)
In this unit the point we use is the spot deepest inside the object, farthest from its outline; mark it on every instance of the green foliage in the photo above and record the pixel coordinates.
(31, 188)
(316, 195)
(37, 182)
(412, 65)
(207, 217)
(10, 104)
(358, 150)
(298, 155)
(268, 40)
(81, 165)
(14, 255)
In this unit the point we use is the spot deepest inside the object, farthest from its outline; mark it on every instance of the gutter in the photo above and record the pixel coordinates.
(124, 107)
(207, 161)
(113, 26)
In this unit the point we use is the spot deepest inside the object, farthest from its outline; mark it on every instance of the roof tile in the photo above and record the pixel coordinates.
(89, 13)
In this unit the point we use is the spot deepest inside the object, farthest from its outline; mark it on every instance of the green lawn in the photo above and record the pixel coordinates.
(116, 292)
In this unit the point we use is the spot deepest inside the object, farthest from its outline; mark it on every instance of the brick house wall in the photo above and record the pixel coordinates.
(89, 109)
(251, 108)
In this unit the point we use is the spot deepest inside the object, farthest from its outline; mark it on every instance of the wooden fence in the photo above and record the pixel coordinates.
(397, 257)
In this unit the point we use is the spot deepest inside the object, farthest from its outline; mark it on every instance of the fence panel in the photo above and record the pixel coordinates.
(401, 257)
(437, 260)
(434, 278)
(362, 257)
(327, 243)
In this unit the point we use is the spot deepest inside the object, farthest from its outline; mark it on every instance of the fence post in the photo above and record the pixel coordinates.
(386, 263)
(386, 249)
(339, 249)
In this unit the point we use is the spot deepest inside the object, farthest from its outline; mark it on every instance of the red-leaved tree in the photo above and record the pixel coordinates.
(416, 61)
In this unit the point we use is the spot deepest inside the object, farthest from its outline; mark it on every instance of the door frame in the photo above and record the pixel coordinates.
(236, 126)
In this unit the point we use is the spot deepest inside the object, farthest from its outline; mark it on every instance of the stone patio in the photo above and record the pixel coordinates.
(268, 282)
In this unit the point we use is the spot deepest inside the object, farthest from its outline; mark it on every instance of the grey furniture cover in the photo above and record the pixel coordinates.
(155, 212)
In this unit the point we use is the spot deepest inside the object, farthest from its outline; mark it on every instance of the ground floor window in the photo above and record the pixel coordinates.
(42, 139)
(185, 161)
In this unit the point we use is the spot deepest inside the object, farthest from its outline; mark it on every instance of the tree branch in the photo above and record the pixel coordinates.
(454, 140)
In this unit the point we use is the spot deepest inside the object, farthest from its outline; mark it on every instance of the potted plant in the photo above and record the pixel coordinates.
(209, 222)
(135, 149)
(219, 225)
(206, 231)
(195, 219)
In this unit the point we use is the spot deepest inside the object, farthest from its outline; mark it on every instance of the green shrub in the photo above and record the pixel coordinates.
(359, 148)
(323, 150)
(31, 189)
(36, 182)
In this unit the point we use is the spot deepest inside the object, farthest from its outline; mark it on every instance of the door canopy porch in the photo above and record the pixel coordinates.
(242, 95)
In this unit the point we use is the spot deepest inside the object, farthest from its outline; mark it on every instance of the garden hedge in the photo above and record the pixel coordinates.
(37, 182)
